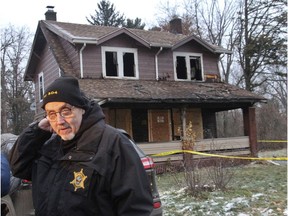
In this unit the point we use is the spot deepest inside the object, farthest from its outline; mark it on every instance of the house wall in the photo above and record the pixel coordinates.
(165, 64)
(92, 59)
(146, 63)
(50, 69)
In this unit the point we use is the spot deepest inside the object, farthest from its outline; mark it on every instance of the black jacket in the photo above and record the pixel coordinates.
(97, 173)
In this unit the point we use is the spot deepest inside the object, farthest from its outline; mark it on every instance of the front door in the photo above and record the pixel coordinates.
(140, 125)
(159, 125)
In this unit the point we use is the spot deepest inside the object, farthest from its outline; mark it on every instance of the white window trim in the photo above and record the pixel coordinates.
(187, 55)
(41, 74)
(119, 51)
(59, 72)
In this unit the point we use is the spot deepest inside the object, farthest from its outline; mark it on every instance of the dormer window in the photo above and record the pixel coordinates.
(188, 66)
(119, 62)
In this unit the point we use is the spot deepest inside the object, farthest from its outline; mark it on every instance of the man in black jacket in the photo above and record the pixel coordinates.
(79, 165)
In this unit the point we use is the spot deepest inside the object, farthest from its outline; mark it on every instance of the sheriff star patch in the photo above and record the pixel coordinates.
(79, 179)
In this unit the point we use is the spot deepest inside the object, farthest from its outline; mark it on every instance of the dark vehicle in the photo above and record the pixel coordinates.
(149, 167)
(19, 200)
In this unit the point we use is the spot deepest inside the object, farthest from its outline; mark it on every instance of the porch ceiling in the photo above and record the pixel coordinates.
(169, 92)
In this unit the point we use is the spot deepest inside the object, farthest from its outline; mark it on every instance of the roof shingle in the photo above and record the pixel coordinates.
(193, 92)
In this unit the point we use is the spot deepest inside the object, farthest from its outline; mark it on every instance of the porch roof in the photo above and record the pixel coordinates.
(150, 91)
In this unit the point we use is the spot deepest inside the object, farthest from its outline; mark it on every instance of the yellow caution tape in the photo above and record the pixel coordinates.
(214, 155)
(278, 141)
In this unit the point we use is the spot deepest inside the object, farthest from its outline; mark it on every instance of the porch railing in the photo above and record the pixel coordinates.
(224, 146)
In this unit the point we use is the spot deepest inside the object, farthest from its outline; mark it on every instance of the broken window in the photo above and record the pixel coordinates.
(195, 68)
(111, 64)
(129, 65)
(181, 69)
(120, 62)
(188, 66)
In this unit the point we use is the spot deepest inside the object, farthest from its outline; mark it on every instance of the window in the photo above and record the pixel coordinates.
(188, 66)
(41, 85)
(120, 62)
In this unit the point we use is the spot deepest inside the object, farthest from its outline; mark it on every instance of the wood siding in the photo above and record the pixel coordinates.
(146, 63)
(119, 118)
(50, 69)
(92, 59)
(165, 65)
(92, 62)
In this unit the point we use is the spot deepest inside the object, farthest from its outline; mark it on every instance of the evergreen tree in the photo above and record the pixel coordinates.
(136, 24)
(106, 15)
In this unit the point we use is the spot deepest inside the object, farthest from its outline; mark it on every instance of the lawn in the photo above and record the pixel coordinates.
(259, 188)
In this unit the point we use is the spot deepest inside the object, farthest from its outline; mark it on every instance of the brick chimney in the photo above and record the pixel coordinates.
(176, 26)
(50, 14)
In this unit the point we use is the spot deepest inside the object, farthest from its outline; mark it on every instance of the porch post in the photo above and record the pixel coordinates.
(250, 130)
(183, 120)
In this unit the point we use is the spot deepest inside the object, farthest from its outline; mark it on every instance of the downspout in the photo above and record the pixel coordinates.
(156, 62)
(81, 60)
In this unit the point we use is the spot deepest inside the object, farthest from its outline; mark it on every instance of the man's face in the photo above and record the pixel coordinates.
(64, 119)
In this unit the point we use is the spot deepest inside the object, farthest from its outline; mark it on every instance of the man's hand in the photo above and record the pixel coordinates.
(44, 124)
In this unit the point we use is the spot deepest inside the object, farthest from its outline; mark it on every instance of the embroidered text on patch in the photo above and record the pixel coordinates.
(50, 93)
(79, 179)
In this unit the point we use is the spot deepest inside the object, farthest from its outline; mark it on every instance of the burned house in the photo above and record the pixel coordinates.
(149, 83)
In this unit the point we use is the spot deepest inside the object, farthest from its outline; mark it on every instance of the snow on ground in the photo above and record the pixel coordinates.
(176, 202)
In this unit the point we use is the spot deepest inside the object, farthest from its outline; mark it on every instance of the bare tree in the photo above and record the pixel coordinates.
(255, 31)
(215, 21)
(16, 95)
(271, 125)
(262, 43)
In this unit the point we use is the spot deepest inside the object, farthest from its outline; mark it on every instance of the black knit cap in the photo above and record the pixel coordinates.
(65, 89)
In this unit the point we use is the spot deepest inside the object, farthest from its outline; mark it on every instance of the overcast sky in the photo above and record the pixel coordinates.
(29, 12)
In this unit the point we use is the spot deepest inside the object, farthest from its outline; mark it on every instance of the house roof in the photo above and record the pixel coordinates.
(81, 33)
(143, 91)
(134, 91)
(48, 32)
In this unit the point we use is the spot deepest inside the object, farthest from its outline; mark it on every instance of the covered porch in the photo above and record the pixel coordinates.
(236, 146)
(157, 113)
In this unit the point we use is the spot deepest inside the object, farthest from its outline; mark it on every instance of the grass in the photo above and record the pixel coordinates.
(259, 188)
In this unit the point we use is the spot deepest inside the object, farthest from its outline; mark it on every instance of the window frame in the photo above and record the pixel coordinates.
(187, 56)
(119, 51)
(41, 86)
